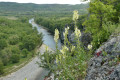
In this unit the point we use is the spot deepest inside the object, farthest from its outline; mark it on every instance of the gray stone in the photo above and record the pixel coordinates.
(104, 67)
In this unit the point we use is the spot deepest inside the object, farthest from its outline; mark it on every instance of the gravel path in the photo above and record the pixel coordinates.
(31, 71)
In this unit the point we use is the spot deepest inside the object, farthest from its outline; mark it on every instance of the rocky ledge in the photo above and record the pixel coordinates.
(105, 65)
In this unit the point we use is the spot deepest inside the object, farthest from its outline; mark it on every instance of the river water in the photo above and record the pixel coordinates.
(48, 39)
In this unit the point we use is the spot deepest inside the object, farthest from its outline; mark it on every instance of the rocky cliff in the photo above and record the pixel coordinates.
(105, 65)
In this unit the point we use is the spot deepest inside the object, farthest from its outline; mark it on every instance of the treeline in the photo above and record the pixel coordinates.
(29, 9)
(17, 41)
(52, 23)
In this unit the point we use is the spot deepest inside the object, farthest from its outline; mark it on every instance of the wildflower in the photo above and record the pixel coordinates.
(66, 31)
(56, 36)
(73, 48)
(63, 51)
(75, 15)
(77, 32)
(89, 47)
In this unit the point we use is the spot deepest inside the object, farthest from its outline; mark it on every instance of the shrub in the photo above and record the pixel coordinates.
(25, 52)
(13, 39)
(3, 44)
(15, 58)
(1, 67)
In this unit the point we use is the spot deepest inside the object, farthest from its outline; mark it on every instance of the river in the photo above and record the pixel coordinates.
(47, 37)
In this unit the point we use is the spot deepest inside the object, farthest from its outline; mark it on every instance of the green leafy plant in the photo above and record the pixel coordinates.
(69, 63)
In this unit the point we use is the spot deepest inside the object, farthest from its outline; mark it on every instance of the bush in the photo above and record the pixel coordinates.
(47, 60)
(15, 58)
(3, 44)
(25, 52)
(1, 67)
(13, 39)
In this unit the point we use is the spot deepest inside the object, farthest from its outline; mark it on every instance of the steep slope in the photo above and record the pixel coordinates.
(105, 65)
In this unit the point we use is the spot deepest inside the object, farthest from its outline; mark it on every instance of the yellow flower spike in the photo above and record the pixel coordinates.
(75, 15)
(66, 31)
(62, 51)
(25, 78)
(89, 47)
(77, 32)
(73, 48)
(56, 36)
(65, 48)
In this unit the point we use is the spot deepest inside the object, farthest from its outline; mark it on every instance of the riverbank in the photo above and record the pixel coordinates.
(31, 71)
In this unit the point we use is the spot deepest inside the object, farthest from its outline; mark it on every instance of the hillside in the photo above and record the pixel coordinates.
(12, 8)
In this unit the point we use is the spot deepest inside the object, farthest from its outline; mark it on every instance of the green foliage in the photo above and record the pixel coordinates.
(53, 23)
(15, 58)
(47, 10)
(29, 42)
(71, 61)
(3, 44)
(1, 68)
(13, 39)
(99, 23)
(6, 55)
(25, 52)
(47, 60)
(17, 40)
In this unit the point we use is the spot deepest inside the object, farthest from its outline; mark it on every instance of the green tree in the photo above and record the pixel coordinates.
(13, 39)
(100, 12)
(15, 58)
(3, 44)
(25, 52)
(29, 42)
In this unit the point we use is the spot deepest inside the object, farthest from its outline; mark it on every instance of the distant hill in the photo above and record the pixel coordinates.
(12, 7)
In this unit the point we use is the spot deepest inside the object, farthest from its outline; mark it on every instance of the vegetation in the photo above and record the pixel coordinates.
(102, 20)
(46, 10)
(17, 41)
(70, 63)
(52, 23)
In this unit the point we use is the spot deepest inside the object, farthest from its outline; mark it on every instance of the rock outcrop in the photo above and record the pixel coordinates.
(85, 38)
(105, 65)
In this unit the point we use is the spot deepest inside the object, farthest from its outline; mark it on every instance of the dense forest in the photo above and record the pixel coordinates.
(17, 41)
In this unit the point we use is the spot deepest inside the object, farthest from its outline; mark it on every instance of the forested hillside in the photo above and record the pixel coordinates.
(10, 8)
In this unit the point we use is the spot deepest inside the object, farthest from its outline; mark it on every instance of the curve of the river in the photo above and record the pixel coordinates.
(47, 37)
